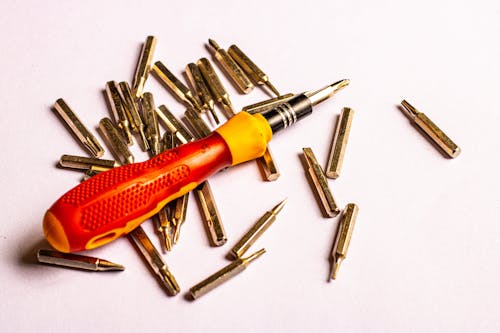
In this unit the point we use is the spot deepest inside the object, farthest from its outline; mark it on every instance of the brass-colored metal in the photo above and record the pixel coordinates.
(320, 184)
(223, 275)
(77, 261)
(118, 146)
(174, 125)
(176, 86)
(256, 231)
(154, 259)
(432, 130)
(322, 94)
(94, 170)
(84, 163)
(268, 165)
(151, 119)
(231, 68)
(267, 104)
(254, 72)
(79, 130)
(339, 143)
(198, 125)
(216, 88)
(196, 79)
(132, 111)
(211, 215)
(179, 215)
(115, 101)
(143, 66)
(343, 237)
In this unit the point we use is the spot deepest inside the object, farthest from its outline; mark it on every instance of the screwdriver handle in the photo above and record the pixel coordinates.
(115, 202)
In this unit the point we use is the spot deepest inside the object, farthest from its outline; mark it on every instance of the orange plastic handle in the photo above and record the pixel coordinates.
(115, 202)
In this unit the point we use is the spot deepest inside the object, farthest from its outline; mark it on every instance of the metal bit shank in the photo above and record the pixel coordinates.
(231, 68)
(77, 261)
(269, 167)
(213, 222)
(432, 130)
(174, 126)
(197, 123)
(132, 111)
(320, 184)
(78, 129)
(196, 79)
(339, 143)
(343, 237)
(84, 163)
(152, 128)
(268, 104)
(223, 275)
(118, 147)
(144, 66)
(256, 231)
(119, 113)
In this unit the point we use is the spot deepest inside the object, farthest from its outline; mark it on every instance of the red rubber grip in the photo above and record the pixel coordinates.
(115, 202)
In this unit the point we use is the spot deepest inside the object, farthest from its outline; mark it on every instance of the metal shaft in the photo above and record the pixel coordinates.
(339, 143)
(198, 83)
(84, 163)
(143, 66)
(152, 129)
(116, 143)
(119, 113)
(133, 115)
(77, 261)
(213, 223)
(343, 237)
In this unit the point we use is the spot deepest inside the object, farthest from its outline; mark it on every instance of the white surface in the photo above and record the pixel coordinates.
(424, 254)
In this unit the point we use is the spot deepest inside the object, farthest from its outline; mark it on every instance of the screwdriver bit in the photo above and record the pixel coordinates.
(119, 114)
(78, 129)
(143, 66)
(320, 184)
(226, 273)
(431, 129)
(231, 68)
(77, 261)
(174, 125)
(343, 238)
(339, 143)
(84, 163)
(134, 118)
(152, 129)
(118, 147)
(211, 214)
(267, 104)
(197, 82)
(216, 88)
(256, 231)
(176, 86)
(254, 72)
(200, 128)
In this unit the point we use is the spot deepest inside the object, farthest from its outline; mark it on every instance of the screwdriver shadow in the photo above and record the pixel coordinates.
(427, 137)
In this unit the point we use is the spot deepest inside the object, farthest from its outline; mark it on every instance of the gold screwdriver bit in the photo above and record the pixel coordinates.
(221, 276)
(143, 66)
(151, 119)
(173, 125)
(343, 238)
(116, 143)
(78, 129)
(196, 79)
(320, 184)
(213, 223)
(322, 94)
(119, 113)
(200, 128)
(339, 143)
(92, 171)
(231, 68)
(431, 129)
(179, 215)
(268, 104)
(176, 86)
(84, 163)
(268, 166)
(256, 231)
(132, 111)
(254, 72)
(77, 261)
(216, 88)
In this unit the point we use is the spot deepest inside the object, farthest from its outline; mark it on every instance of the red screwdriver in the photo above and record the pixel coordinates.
(115, 202)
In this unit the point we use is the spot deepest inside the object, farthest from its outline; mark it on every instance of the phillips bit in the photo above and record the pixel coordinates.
(431, 129)
(256, 231)
(213, 222)
(194, 75)
(231, 68)
(179, 215)
(78, 129)
(152, 129)
(223, 275)
(254, 72)
(176, 86)
(268, 104)
(84, 163)
(218, 91)
(77, 261)
(339, 143)
(143, 66)
(134, 118)
(173, 125)
(115, 101)
(118, 147)
(343, 238)
(320, 184)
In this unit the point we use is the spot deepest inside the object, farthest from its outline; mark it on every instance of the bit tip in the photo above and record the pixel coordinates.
(318, 96)
(273, 88)
(335, 267)
(279, 207)
(254, 256)
(410, 109)
(104, 265)
(213, 44)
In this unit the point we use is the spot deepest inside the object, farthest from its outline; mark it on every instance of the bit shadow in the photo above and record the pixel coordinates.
(29, 256)
(427, 137)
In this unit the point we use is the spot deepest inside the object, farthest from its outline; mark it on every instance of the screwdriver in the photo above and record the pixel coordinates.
(115, 202)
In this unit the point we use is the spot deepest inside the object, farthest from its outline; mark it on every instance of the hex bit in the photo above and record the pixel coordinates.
(143, 66)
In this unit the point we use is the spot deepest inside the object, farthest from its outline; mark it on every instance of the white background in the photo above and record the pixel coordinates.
(424, 254)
